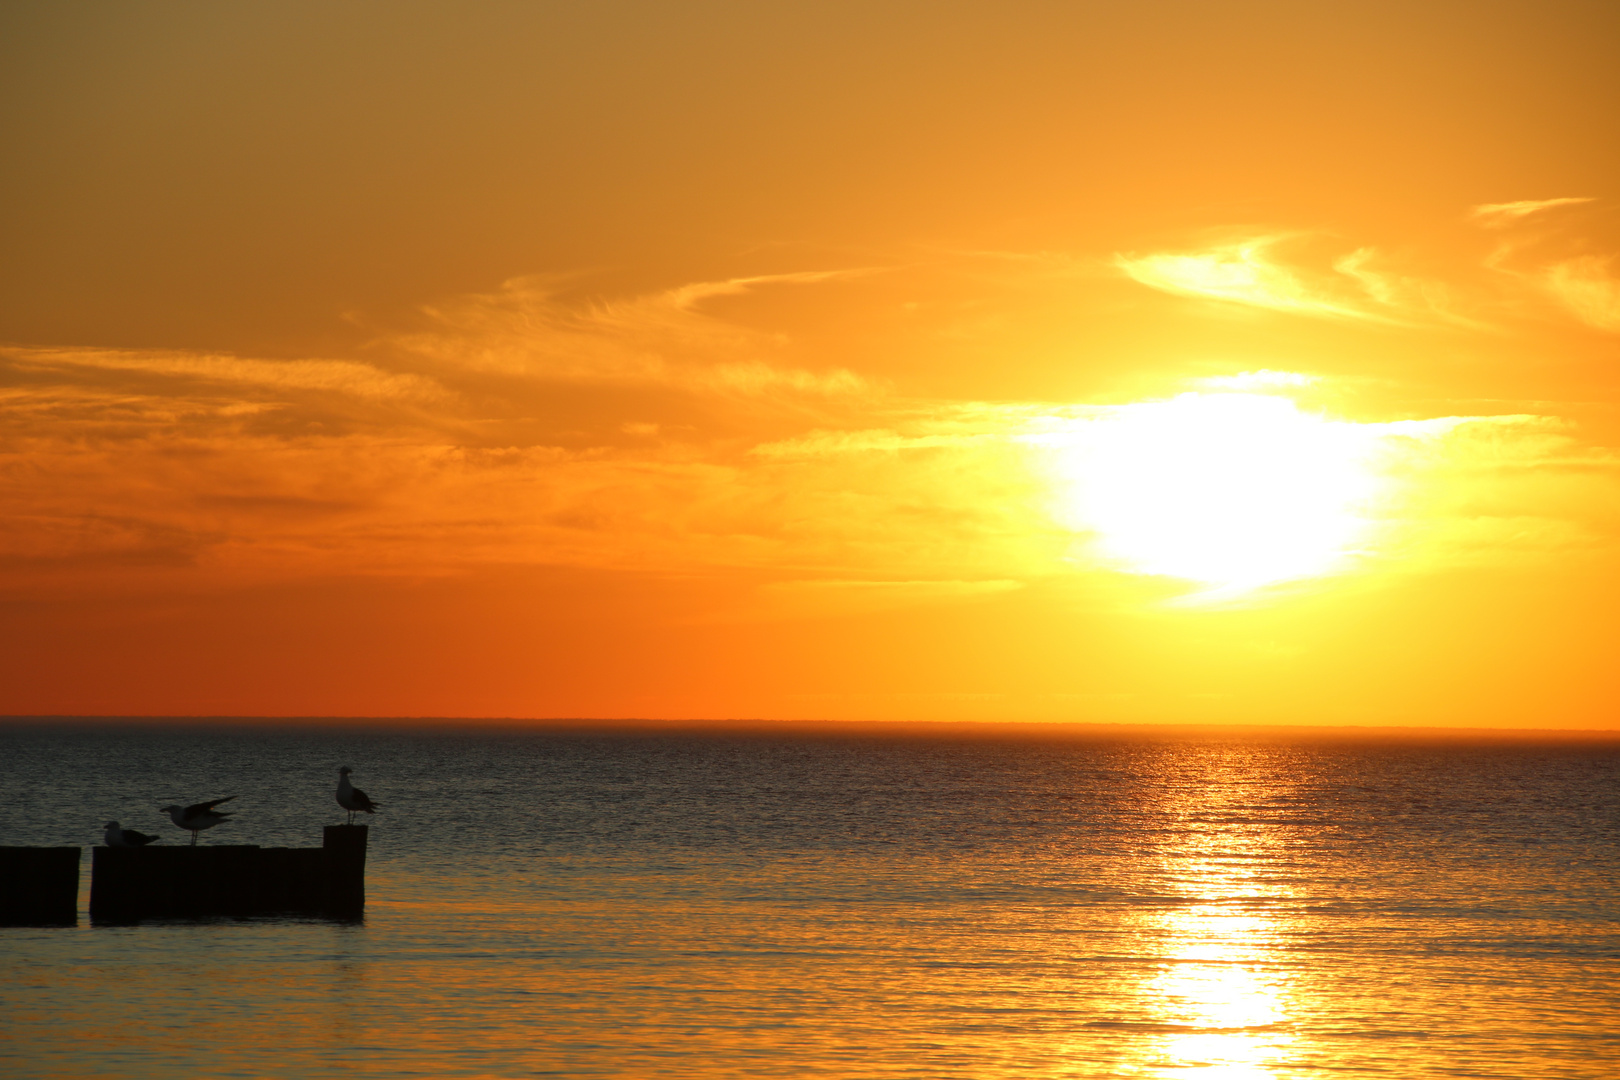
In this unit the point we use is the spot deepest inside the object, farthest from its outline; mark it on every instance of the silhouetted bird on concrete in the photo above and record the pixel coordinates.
(117, 837)
(197, 816)
(352, 798)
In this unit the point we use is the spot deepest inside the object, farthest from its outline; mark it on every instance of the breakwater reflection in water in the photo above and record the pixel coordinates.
(864, 904)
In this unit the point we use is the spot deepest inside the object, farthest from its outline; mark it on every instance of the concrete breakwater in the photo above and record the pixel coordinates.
(128, 884)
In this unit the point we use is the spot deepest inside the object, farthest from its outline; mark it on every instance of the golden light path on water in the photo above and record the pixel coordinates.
(1225, 1015)
(1222, 1006)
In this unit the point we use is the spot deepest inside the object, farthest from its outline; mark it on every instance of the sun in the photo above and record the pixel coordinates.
(1231, 490)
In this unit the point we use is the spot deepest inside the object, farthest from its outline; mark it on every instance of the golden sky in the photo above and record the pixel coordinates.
(1160, 361)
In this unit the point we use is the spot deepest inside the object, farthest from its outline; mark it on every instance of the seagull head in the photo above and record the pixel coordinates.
(168, 809)
(345, 771)
(110, 825)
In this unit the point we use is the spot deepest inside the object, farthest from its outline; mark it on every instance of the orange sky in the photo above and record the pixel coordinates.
(1181, 362)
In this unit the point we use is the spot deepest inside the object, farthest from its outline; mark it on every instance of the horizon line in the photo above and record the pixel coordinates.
(764, 724)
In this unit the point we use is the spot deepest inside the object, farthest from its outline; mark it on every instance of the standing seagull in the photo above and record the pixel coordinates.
(197, 816)
(352, 798)
(117, 837)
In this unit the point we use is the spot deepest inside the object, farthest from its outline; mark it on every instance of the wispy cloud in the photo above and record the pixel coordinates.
(1287, 273)
(1588, 287)
(659, 432)
(1252, 272)
(519, 428)
(328, 376)
(1497, 215)
(1496, 490)
(528, 329)
(1554, 260)
(1242, 273)
(1414, 297)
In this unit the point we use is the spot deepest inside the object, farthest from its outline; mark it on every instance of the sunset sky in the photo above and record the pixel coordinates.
(1115, 362)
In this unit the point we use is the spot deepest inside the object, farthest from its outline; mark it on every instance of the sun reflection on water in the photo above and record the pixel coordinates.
(1219, 1002)
(1224, 1010)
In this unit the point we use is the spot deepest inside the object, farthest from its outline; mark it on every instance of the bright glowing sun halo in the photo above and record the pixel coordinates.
(1232, 490)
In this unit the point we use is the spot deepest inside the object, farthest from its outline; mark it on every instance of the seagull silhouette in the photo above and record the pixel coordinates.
(197, 816)
(119, 837)
(352, 798)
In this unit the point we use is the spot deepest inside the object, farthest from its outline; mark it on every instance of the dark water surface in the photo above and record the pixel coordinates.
(864, 905)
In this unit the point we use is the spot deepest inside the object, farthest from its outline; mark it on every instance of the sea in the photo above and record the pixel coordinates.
(843, 901)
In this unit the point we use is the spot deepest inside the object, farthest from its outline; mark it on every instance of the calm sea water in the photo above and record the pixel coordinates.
(866, 905)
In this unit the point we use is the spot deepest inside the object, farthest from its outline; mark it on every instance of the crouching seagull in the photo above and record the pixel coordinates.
(352, 798)
(117, 837)
(197, 816)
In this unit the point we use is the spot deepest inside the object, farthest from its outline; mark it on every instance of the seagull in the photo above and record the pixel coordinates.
(352, 798)
(117, 837)
(198, 816)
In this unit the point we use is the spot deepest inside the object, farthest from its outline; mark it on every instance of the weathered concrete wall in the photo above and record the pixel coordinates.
(344, 850)
(128, 884)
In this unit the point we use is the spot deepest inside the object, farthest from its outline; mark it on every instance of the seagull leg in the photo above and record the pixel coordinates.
(193, 837)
